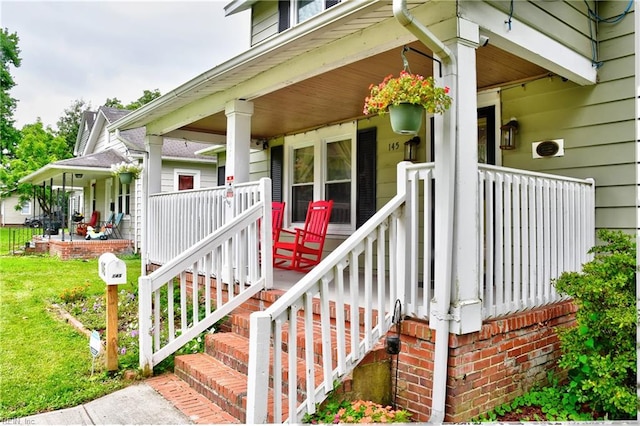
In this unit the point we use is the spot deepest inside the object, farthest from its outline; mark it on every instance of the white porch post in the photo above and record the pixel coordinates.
(153, 144)
(465, 290)
(238, 139)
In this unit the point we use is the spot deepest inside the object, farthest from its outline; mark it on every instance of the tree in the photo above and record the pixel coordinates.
(37, 148)
(69, 124)
(10, 55)
(147, 96)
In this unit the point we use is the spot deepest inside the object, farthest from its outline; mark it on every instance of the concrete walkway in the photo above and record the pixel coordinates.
(137, 404)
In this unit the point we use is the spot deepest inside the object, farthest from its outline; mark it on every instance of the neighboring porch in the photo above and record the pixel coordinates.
(532, 227)
(76, 247)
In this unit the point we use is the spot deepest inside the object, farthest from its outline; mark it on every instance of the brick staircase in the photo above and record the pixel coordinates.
(211, 387)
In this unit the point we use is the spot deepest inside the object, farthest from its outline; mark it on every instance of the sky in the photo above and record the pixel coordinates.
(94, 50)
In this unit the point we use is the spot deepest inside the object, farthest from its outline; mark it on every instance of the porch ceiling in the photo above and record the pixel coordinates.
(338, 95)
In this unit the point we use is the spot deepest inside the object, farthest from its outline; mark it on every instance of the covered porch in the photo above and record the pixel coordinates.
(456, 238)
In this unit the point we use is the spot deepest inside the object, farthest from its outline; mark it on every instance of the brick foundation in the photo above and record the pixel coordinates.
(486, 368)
(81, 249)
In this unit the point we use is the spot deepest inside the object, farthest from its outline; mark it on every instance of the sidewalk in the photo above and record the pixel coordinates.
(134, 405)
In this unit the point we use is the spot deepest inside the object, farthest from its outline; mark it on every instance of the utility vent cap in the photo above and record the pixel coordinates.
(548, 148)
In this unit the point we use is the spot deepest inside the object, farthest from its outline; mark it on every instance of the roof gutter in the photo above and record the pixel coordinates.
(444, 219)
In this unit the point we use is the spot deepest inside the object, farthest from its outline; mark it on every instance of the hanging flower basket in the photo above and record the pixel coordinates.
(127, 172)
(126, 177)
(406, 119)
(406, 89)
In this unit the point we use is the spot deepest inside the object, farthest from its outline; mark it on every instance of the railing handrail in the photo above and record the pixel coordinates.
(187, 258)
(325, 266)
(519, 172)
(195, 191)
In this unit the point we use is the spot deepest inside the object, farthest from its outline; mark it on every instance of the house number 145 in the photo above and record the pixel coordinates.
(394, 146)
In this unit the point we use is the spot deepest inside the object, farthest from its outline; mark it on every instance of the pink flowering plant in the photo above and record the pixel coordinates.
(359, 411)
(407, 88)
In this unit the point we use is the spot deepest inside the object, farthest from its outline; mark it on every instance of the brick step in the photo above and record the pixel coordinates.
(239, 321)
(194, 405)
(219, 383)
(232, 350)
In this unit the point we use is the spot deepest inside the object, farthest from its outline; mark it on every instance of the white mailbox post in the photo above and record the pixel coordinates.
(113, 271)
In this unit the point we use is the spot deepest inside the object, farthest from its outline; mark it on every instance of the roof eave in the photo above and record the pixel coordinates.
(237, 6)
(143, 115)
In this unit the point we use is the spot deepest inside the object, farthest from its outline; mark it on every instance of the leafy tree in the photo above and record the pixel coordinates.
(147, 96)
(114, 103)
(9, 135)
(37, 148)
(69, 123)
(600, 352)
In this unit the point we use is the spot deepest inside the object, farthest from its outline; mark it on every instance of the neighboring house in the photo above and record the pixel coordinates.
(97, 150)
(8, 213)
(498, 238)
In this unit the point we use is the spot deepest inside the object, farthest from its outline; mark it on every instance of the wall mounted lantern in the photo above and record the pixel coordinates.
(411, 149)
(508, 137)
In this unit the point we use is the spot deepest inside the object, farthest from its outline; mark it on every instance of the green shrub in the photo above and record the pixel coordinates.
(600, 352)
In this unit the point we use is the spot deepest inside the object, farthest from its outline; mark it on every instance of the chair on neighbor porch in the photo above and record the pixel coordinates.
(81, 228)
(111, 228)
(305, 251)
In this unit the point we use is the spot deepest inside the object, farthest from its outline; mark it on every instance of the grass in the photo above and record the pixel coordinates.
(44, 363)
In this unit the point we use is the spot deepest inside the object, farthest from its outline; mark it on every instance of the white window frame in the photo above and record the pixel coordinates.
(186, 172)
(319, 140)
(487, 98)
(26, 209)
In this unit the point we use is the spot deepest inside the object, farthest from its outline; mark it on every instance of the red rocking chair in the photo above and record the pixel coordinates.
(305, 251)
(277, 213)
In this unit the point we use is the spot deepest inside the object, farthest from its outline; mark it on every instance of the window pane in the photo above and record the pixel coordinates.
(303, 165)
(185, 182)
(340, 193)
(339, 160)
(309, 8)
(301, 196)
(26, 208)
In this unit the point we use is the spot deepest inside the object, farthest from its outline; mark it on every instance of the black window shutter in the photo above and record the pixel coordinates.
(221, 175)
(329, 3)
(284, 14)
(366, 151)
(277, 162)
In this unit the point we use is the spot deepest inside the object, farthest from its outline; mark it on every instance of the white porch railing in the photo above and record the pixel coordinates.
(535, 227)
(178, 220)
(237, 255)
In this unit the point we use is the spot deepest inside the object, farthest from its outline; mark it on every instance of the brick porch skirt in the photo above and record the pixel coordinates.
(80, 249)
(485, 369)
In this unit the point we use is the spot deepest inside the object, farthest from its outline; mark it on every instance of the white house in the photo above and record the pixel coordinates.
(466, 241)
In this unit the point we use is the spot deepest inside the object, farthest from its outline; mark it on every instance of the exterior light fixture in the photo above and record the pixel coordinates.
(411, 149)
(78, 175)
(508, 137)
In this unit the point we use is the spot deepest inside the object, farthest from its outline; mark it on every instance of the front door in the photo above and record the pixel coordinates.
(487, 135)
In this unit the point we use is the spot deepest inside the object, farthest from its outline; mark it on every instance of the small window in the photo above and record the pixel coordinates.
(185, 179)
(26, 209)
(124, 199)
(293, 12)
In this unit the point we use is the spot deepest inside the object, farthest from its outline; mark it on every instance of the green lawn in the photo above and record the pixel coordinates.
(44, 363)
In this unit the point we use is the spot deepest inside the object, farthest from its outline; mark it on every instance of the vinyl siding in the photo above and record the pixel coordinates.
(264, 21)
(208, 174)
(568, 19)
(596, 123)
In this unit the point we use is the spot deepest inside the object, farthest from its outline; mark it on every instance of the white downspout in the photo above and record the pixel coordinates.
(442, 291)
